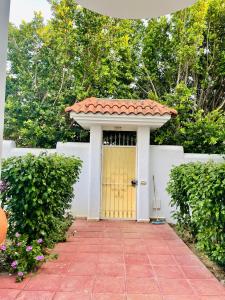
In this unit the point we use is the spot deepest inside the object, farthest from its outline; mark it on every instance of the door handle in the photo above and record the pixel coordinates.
(134, 182)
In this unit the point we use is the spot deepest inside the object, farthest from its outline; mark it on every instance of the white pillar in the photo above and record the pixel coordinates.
(143, 174)
(4, 21)
(94, 198)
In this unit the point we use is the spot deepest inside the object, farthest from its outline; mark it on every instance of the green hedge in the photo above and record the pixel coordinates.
(39, 194)
(198, 193)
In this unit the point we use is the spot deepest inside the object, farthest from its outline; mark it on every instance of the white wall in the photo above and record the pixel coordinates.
(81, 150)
(162, 160)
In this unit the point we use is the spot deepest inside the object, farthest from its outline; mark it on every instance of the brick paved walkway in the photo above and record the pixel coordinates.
(119, 261)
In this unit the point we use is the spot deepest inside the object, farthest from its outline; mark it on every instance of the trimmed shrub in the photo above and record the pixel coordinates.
(39, 194)
(198, 193)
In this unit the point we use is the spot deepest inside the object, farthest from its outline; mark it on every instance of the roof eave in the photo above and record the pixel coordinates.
(119, 122)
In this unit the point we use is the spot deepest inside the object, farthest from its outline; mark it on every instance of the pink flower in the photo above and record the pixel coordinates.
(29, 248)
(40, 241)
(18, 244)
(14, 264)
(40, 257)
(3, 247)
(20, 274)
(17, 234)
(3, 186)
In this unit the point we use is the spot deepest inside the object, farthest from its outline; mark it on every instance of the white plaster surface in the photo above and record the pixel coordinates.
(95, 155)
(143, 173)
(162, 160)
(81, 150)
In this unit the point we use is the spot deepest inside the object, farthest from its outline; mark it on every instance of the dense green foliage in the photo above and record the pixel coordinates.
(195, 130)
(179, 60)
(39, 194)
(197, 191)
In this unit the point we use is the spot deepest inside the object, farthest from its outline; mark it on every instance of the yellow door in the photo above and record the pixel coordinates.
(118, 193)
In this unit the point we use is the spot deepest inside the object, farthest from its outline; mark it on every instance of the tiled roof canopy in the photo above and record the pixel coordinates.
(121, 107)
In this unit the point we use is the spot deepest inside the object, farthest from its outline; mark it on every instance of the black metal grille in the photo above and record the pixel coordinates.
(119, 138)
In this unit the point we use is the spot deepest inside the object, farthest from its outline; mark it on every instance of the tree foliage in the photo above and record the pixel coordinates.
(179, 60)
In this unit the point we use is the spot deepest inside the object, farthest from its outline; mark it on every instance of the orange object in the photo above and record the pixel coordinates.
(3, 226)
(121, 107)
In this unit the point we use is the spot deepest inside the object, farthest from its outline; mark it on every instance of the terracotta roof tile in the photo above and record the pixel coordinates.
(120, 106)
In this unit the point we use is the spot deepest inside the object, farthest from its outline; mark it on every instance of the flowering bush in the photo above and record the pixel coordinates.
(37, 195)
(20, 257)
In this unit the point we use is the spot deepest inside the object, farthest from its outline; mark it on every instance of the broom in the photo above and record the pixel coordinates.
(157, 207)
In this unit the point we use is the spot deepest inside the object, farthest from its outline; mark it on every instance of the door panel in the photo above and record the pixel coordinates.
(118, 194)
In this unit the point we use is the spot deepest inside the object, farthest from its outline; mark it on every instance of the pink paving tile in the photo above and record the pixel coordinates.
(135, 249)
(66, 257)
(86, 241)
(89, 248)
(181, 297)
(132, 235)
(71, 296)
(207, 287)
(8, 294)
(110, 269)
(108, 297)
(85, 257)
(139, 271)
(141, 286)
(44, 282)
(112, 235)
(111, 241)
(150, 235)
(187, 260)
(197, 273)
(9, 282)
(131, 229)
(212, 297)
(118, 253)
(155, 243)
(82, 268)
(159, 250)
(175, 286)
(169, 236)
(113, 229)
(90, 234)
(78, 284)
(54, 268)
(107, 284)
(175, 243)
(132, 242)
(171, 272)
(64, 247)
(112, 223)
(143, 297)
(92, 228)
(183, 250)
(112, 249)
(162, 260)
(35, 295)
(141, 259)
(111, 258)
